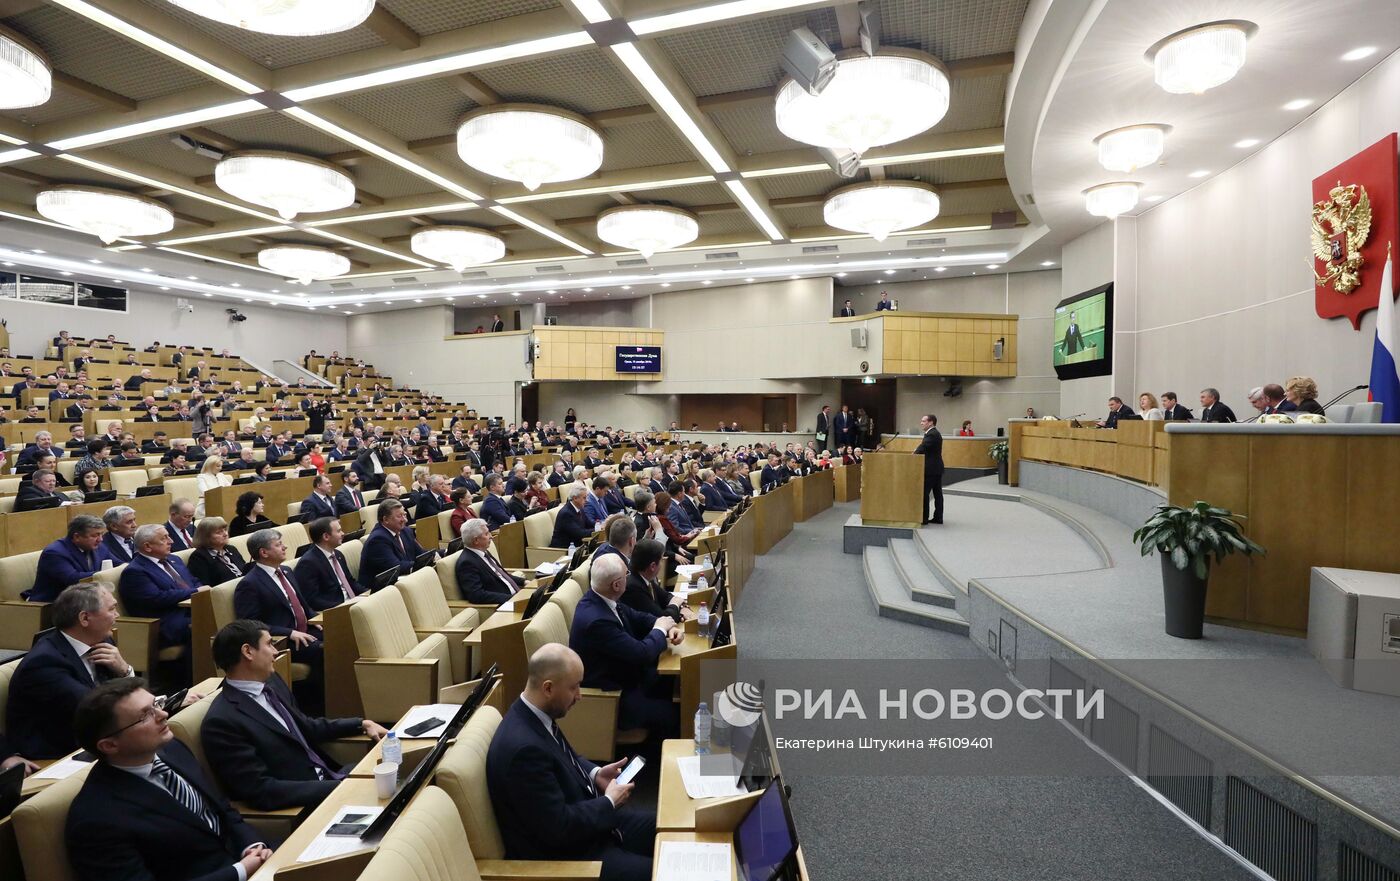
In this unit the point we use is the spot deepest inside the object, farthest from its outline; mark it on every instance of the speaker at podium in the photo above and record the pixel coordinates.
(891, 485)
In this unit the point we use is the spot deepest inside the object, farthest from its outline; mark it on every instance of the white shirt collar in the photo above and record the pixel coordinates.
(142, 771)
(270, 570)
(547, 722)
(612, 604)
(329, 553)
(159, 563)
(250, 687)
(79, 646)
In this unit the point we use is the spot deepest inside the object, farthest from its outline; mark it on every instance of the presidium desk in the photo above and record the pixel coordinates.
(1312, 495)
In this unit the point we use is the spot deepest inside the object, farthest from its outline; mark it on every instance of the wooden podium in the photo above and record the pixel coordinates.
(890, 484)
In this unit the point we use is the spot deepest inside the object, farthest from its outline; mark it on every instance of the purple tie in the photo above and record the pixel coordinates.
(174, 576)
(316, 761)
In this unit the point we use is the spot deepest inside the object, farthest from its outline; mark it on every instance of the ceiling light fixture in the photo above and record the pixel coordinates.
(1201, 57)
(26, 79)
(1359, 53)
(1200, 173)
(1246, 143)
(1111, 199)
(881, 207)
(287, 183)
(304, 263)
(1298, 104)
(647, 228)
(285, 18)
(457, 246)
(530, 143)
(107, 214)
(871, 101)
(1047, 263)
(1131, 147)
(940, 269)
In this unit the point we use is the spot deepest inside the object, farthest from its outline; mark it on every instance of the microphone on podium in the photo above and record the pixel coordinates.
(1345, 393)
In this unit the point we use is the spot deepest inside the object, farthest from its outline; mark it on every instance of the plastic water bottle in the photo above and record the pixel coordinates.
(705, 561)
(720, 734)
(702, 730)
(570, 551)
(701, 583)
(392, 750)
(702, 619)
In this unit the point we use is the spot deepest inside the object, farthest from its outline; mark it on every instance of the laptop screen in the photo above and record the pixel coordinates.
(765, 841)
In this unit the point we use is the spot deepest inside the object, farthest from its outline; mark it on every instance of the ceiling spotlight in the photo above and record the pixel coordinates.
(840, 275)
(881, 207)
(588, 290)
(107, 214)
(871, 101)
(530, 143)
(1153, 199)
(1199, 173)
(553, 291)
(515, 293)
(1298, 104)
(481, 296)
(940, 269)
(889, 272)
(627, 287)
(304, 263)
(707, 281)
(457, 246)
(192, 277)
(1359, 53)
(665, 284)
(65, 272)
(286, 183)
(647, 228)
(1047, 263)
(1131, 147)
(1201, 57)
(993, 265)
(794, 277)
(95, 262)
(286, 18)
(163, 288)
(1246, 143)
(1111, 199)
(417, 301)
(26, 79)
(235, 284)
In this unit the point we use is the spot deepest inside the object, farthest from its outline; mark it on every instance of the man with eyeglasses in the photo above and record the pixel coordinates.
(146, 809)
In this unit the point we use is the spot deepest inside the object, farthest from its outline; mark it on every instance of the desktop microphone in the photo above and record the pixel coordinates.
(1344, 394)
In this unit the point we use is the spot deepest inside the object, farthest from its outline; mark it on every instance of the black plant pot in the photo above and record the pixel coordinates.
(1004, 472)
(1184, 596)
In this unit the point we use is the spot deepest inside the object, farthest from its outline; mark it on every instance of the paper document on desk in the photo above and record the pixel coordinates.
(60, 769)
(323, 845)
(689, 570)
(693, 861)
(507, 606)
(698, 785)
(546, 568)
(424, 712)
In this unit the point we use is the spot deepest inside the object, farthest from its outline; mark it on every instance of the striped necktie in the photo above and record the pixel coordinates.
(181, 790)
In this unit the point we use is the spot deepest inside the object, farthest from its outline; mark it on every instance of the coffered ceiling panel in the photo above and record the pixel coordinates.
(428, 17)
(581, 80)
(419, 109)
(63, 105)
(751, 128)
(746, 54)
(274, 131)
(952, 29)
(644, 143)
(268, 50)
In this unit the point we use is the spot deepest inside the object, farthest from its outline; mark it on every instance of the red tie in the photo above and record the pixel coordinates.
(358, 502)
(344, 584)
(297, 611)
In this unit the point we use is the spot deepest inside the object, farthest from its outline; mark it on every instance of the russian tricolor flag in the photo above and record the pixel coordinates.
(1385, 375)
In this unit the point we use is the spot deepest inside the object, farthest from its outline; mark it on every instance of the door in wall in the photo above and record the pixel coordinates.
(530, 402)
(877, 400)
(775, 413)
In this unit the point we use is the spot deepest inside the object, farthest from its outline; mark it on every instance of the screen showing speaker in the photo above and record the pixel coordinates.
(638, 359)
(1083, 340)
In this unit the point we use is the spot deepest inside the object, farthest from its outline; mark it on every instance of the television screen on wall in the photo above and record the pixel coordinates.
(638, 359)
(1083, 341)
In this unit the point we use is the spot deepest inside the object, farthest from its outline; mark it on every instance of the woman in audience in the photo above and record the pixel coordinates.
(177, 464)
(317, 457)
(461, 509)
(420, 481)
(214, 561)
(1302, 391)
(89, 481)
(248, 515)
(569, 419)
(393, 488)
(675, 539)
(1147, 407)
(304, 463)
(738, 478)
(536, 499)
(211, 476)
(847, 457)
(966, 430)
(261, 471)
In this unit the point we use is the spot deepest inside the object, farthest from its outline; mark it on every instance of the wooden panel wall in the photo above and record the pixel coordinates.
(589, 352)
(923, 343)
(747, 410)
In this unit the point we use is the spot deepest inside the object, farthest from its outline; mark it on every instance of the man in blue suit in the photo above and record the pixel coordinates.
(493, 507)
(119, 543)
(773, 473)
(323, 573)
(710, 490)
(269, 593)
(595, 509)
(620, 646)
(155, 582)
(68, 560)
(320, 503)
(571, 524)
(550, 802)
(180, 526)
(391, 543)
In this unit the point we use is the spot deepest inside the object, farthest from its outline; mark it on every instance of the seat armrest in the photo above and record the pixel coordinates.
(535, 556)
(390, 686)
(348, 750)
(456, 647)
(20, 620)
(538, 870)
(138, 640)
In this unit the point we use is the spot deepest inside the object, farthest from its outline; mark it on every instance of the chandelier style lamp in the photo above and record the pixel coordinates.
(286, 18)
(107, 214)
(285, 182)
(1131, 147)
(881, 207)
(26, 79)
(1111, 199)
(529, 143)
(871, 101)
(303, 263)
(647, 228)
(457, 246)
(1201, 57)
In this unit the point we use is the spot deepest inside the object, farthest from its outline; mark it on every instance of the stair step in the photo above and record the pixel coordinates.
(923, 542)
(887, 589)
(919, 577)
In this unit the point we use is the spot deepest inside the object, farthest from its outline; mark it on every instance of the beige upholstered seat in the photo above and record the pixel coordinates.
(294, 535)
(138, 639)
(128, 481)
(19, 620)
(369, 516)
(426, 843)
(566, 598)
(183, 488)
(39, 824)
(7, 672)
(428, 610)
(591, 725)
(444, 524)
(293, 510)
(395, 669)
(17, 574)
(352, 550)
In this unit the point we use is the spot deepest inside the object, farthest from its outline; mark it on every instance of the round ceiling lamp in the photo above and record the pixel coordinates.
(303, 263)
(286, 183)
(107, 214)
(881, 207)
(529, 143)
(1200, 57)
(869, 102)
(647, 228)
(1111, 199)
(1131, 147)
(285, 18)
(26, 80)
(457, 246)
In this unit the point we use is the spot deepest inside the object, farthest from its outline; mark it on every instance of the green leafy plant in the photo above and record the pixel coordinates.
(999, 451)
(1194, 536)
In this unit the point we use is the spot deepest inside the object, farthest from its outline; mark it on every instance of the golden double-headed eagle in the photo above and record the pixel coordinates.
(1341, 224)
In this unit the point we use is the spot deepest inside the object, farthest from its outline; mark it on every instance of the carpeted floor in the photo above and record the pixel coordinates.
(807, 600)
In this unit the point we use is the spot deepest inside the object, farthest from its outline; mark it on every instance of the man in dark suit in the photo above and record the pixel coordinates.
(571, 524)
(493, 508)
(1213, 409)
(931, 448)
(261, 747)
(155, 582)
(350, 498)
(884, 305)
(1073, 340)
(269, 593)
(1118, 412)
(434, 501)
(119, 543)
(620, 647)
(324, 573)
(68, 560)
(824, 424)
(480, 578)
(1173, 411)
(134, 383)
(497, 325)
(146, 809)
(390, 544)
(552, 803)
(710, 491)
(62, 666)
(843, 425)
(180, 526)
(39, 491)
(847, 311)
(320, 503)
(467, 480)
(773, 473)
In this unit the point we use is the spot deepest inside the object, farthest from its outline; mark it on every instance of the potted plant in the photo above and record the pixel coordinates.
(1001, 453)
(1188, 540)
